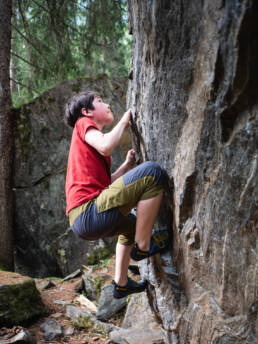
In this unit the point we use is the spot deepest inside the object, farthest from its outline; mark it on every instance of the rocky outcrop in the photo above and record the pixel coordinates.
(20, 301)
(139, 324)
(194, 100)
(43, 244)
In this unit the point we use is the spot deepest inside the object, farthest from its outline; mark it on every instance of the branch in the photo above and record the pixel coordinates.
(28, 87)
(83, 6)
(67, 25)
(41, 6)
(32, 44)
(29, 63)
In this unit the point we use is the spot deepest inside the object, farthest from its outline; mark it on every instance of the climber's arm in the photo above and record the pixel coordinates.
(126, 166)
(106, 143)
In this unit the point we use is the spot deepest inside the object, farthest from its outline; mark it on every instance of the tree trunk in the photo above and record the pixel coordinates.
(194, 102)
(13, 75)
(6, 139)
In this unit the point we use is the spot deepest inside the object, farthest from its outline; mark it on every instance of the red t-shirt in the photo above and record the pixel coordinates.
(88, 172)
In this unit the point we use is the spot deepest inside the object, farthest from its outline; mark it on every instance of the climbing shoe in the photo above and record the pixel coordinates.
(130, 288)
(159, 243)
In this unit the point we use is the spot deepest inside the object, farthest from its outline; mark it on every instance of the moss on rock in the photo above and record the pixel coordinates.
(76, 87)
(98, 255)
(98, 284)
(3, 266)
(20, 300)
(23, 129)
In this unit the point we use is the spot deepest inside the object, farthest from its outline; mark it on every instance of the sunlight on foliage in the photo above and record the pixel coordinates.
(53, 41)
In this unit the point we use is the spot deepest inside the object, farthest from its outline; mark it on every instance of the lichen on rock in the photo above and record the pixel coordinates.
(20, 301)
(194, 101)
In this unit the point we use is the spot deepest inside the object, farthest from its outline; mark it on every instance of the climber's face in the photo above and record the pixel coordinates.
(101, 114)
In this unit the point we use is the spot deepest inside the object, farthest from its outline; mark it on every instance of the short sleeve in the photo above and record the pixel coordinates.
(82, 125)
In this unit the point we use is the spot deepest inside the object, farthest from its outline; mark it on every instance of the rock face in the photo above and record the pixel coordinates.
(44, 245)
(194, 101)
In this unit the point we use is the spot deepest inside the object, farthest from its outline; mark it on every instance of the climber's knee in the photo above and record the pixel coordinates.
(146, 169)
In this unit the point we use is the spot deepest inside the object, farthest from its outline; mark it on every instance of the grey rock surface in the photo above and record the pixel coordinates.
(107, 304)
(137, 336)
(23, 337)
(75, 313)
(139, 313)
(89, 287)
(74, 274)
(43, 244)
(45, 284)
(51, 329)
(194, 100)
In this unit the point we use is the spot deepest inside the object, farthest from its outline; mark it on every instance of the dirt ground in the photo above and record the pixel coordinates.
(65, 291)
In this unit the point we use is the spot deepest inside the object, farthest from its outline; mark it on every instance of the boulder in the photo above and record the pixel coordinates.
(108, 306)
(43, 244)
(20, 301)
(140, 324)
(194, 100)
(137, 306)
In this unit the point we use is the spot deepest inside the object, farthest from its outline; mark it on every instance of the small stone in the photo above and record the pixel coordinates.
(75, 313)
(45, 284)
(86, 303)
(73, 275)
(69, 331)
(61, 302)
(137, 336)
(23, 336)
(51, 329)
(56, 315)
(95, 339)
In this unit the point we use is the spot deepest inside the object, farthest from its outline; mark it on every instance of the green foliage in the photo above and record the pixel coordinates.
(23, 130)
(83, 322)
(4, 267)
(98, 284)
(19, 303)
(101, 256)
(58, 40)
(54, 279)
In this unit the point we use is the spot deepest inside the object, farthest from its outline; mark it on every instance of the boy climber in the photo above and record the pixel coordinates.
(98, 202)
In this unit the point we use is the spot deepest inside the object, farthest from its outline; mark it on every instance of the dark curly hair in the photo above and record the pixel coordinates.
(74, 106)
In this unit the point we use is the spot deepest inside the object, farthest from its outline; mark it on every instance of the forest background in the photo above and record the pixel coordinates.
(53, 41)
(43, 43)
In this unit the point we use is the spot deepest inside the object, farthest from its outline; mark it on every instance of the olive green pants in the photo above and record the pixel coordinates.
(109, 213)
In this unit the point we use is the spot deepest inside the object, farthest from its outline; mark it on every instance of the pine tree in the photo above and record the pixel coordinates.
(53, 41)
(6, 139)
